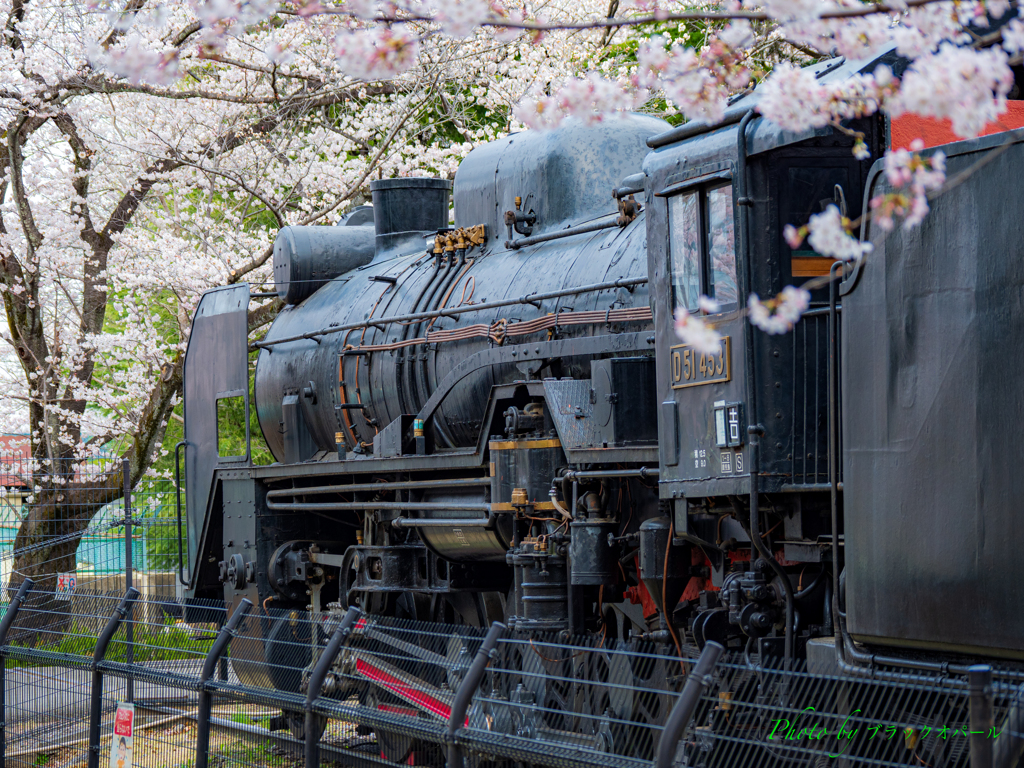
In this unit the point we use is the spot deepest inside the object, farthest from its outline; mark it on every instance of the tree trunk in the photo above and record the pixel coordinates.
(47, 544)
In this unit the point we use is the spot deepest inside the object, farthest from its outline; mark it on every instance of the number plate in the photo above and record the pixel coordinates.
(690, 367)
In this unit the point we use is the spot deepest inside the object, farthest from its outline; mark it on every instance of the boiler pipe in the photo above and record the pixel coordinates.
(530, 298)
(583, 229)
(643, 472)
(426, 522)
(410, 506)
(400, 485)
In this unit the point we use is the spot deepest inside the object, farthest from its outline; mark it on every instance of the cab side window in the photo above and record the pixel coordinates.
(684, 248)
(702, 247)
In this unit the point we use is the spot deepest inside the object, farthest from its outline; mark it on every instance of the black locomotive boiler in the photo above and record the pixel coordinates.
(494, 419)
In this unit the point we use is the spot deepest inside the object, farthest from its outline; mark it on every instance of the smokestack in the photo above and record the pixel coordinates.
(402, 207)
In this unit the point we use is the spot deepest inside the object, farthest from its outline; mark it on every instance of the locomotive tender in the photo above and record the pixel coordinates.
(494, 420)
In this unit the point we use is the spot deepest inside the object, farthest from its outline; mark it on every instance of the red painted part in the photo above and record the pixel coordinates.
(639, 595)
(933, 132)
(410, 761)
(403, 690)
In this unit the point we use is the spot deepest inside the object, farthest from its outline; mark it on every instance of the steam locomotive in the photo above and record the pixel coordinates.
(494, 420)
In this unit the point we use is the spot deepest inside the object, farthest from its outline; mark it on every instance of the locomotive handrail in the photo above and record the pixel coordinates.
(582, 229)
(527, 299)
(177, 505)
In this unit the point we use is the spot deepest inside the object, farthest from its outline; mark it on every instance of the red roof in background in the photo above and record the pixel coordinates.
(934, 133)
(14, 453)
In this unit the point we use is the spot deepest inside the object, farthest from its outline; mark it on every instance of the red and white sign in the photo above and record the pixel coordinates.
(66, 583)
(121, 745)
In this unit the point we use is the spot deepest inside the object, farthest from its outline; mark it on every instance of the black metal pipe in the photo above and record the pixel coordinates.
(698, 679)
(400, 485)
(220, 645)
(5, 625)
(483, 506)
(426, 522)
(810, 587)
(856, 662)
(833, 438)
(643, 472)
(96, 703)
(177, 504)
(530, 298)
(128, 574)
(12, 611)
(464, 695)
(754, 430)
(316, 683)
(582, 229)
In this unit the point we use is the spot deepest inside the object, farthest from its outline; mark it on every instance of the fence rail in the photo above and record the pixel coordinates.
(345, 689)
(245, 685)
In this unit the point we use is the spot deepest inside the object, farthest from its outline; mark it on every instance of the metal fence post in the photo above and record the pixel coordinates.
(5, 626)
(464, 695)
(698, 679)
(979, 678)
(219, 647)
(96, 705)
(316, 683)
(128, 575)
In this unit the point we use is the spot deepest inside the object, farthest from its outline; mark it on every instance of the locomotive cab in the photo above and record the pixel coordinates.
(716, 208)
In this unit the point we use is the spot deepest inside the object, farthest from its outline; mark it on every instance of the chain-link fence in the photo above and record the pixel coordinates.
(96, 623)
(69, 524)
(256, 687)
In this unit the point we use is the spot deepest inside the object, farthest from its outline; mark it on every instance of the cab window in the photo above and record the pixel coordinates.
(702, 247)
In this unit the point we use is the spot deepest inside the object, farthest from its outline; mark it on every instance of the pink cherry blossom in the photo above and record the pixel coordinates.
(459, 18)
(828, 235)
(696, 332)
(779, 315)
(369, 54)
(965, 85)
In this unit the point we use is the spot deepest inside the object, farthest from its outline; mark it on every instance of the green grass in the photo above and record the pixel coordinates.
(171, 643)
(261, 754)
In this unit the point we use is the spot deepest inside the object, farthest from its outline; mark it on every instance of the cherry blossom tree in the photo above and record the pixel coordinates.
(153, 149)
(958, 70)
